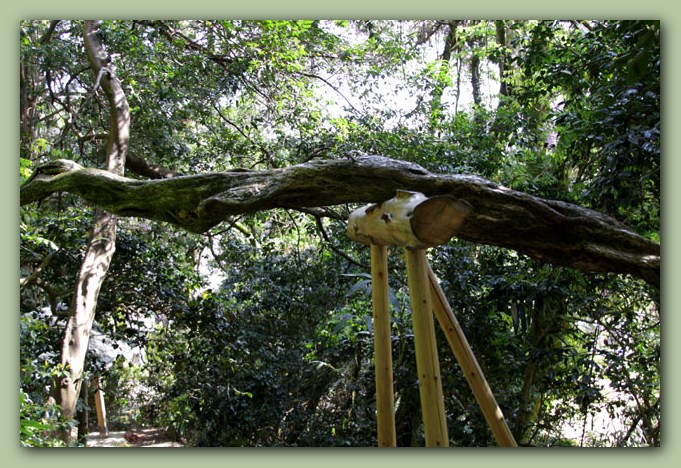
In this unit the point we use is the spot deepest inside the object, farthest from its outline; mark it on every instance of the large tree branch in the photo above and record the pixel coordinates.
(551, 231)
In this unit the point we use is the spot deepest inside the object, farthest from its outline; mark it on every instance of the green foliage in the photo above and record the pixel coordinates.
(125, 398)
(606, 86)
(254, 391)
(35, 430)
(39, 417)
(540, 335)
(25, 169)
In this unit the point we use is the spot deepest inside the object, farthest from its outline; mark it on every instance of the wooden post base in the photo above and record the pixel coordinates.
(416, 222)
(469, 365)
(100, 407)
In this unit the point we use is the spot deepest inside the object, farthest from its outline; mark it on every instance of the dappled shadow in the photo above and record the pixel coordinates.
(150, 437)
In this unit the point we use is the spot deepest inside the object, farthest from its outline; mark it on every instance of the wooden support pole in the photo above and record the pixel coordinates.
(415, 222)
(100, 408)
(469, 364)
(382, 347)
(427, 362)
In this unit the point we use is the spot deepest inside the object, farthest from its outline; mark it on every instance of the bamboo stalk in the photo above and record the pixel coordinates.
(469, 364)
(385, 413)
(427, 362)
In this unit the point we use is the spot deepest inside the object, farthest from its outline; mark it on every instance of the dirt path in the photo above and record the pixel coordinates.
(139, 438)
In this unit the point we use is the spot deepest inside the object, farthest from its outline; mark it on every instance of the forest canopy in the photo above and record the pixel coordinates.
(222, 158)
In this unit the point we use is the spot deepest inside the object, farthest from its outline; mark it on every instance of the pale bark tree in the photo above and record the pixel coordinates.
(450, 43)
(102, 243)
(500, 27)
(29, 95)
(474, 66)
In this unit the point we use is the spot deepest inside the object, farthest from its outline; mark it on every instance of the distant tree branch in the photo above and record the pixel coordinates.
(144, 168)
(27, 280)
(332, 246)
(330, 85)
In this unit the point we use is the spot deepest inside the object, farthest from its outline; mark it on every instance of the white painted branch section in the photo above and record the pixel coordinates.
(410, 219)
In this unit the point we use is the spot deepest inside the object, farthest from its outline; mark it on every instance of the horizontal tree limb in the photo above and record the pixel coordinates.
(547, 230)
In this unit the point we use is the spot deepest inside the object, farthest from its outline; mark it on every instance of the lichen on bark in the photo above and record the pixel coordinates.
(548, 230)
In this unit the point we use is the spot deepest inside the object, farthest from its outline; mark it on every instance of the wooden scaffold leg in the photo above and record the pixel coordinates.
(416, 222)
(427, 362)
(382, 347)
(469, 364)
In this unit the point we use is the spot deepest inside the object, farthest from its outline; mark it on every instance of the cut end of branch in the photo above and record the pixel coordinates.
(410, 219)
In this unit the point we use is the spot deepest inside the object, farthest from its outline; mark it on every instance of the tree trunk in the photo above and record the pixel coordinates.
(102, 243)
(82, 310)
(474, 67)
(83, 415)
(436, 95)
(28, 97)
(523, 416)
(500, 27)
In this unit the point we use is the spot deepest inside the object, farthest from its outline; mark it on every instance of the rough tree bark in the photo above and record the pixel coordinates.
(501, 59)
(551, 231)
(101, 246)
(474, 68)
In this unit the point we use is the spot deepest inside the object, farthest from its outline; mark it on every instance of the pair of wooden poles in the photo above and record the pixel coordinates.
(416, 223)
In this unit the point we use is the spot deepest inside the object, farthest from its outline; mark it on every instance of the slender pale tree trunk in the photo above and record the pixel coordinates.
(474, 66)
(438, 91)
(500, 27)
(475, 77)
(29, 76)
(102, 243)
(92, 272)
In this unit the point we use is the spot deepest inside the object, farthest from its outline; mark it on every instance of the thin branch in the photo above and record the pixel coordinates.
(48, 34)
(324, 212)
(330, 85)
(325, 236)
(23, 282)
(428, 30)
(232, 124)
(216, 257)
(262, 148)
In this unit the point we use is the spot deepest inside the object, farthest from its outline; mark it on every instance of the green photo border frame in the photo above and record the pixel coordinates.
(664, 10)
